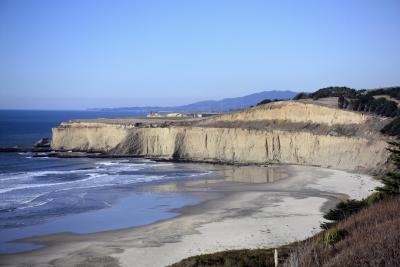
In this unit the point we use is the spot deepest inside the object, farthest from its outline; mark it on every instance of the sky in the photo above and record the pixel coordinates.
(78, 54)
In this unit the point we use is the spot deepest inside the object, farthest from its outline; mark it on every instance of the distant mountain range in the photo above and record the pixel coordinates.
(222, 105)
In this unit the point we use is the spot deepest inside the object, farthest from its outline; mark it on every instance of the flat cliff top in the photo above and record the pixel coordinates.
(319, 117)
(134, 122)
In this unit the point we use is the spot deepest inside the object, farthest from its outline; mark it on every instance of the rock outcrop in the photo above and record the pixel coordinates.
(235, 145)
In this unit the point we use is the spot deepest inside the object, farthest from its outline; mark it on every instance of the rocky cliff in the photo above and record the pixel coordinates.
(204, 141)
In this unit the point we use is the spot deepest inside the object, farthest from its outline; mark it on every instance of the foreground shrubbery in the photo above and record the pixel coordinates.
(236, 258)
(369, 238)
(342, 211)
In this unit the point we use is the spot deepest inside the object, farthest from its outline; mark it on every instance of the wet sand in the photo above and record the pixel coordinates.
(241, 211)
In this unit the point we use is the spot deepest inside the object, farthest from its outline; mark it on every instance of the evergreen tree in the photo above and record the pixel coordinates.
(391, 181)
(341, 101)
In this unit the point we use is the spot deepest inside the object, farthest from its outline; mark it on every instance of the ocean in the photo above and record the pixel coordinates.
(41, 196)
(24, 127)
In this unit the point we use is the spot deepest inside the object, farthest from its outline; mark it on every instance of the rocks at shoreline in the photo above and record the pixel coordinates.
(43, 142)
(41, 146)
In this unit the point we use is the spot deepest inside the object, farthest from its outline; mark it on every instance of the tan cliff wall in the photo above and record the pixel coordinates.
(223, 145)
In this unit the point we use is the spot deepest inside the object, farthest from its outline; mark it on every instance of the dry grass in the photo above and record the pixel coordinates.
(372, 239)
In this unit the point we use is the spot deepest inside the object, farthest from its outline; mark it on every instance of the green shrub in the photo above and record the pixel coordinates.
(343, 210)
(392, 128)
(332, 236)
(334, 91)
(368, 103)
(391, 184)
(265, 101)
(301, 95)
(391, 180)
(375, 197)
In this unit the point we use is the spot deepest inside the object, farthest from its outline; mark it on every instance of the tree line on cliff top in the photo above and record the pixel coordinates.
(379, 101)
(382, 102)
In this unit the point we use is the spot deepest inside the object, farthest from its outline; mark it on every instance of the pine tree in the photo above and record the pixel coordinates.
(391, 181)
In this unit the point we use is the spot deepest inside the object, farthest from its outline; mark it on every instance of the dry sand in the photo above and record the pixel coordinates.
(234, 214)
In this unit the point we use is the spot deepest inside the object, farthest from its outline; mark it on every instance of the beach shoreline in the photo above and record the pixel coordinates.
(233, 215)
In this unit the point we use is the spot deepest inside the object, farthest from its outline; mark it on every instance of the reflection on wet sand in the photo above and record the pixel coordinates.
(254, 174)
(228, 174)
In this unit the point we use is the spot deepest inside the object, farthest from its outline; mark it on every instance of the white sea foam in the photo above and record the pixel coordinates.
(103, 174)
(117, 181)
(114, 162)
(37, 204)
(32, 198)
(32, 174)
(24, 153)
(200, 174)
(29, 186)
(161, 164)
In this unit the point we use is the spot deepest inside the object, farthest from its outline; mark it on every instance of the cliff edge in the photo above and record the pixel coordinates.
(286, 132)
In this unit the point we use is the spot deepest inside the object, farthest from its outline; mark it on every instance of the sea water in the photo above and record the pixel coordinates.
(41, 196)
(24, 127)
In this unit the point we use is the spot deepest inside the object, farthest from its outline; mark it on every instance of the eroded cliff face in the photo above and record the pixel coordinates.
(231, 145)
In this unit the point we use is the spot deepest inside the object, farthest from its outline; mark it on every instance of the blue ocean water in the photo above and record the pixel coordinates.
(49, 195)
(24, 127)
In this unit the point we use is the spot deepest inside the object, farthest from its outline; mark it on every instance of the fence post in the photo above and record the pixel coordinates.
(276, 257)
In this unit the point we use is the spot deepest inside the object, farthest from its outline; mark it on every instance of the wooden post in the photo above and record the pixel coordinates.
(276, 257)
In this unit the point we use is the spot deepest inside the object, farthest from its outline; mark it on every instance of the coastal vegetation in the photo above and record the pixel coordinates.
(383, 101)
(392, 128)
(369, 237)
(267, 101)
(333, 91)
(236, 258)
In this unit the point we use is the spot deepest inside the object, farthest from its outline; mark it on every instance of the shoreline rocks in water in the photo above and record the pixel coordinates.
(43, 145)
(43, 142)
(25, 149)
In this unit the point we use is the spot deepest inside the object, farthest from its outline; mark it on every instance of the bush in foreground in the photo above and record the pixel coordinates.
(342, 211)
(370, 238)
(235, 258)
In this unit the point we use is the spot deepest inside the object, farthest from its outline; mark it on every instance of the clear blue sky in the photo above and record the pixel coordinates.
(80, 54)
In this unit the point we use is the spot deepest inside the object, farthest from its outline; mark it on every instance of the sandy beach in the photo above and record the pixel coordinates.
(242, 211)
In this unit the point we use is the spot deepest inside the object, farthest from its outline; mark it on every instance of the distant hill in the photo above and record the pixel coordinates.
(225, 104)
